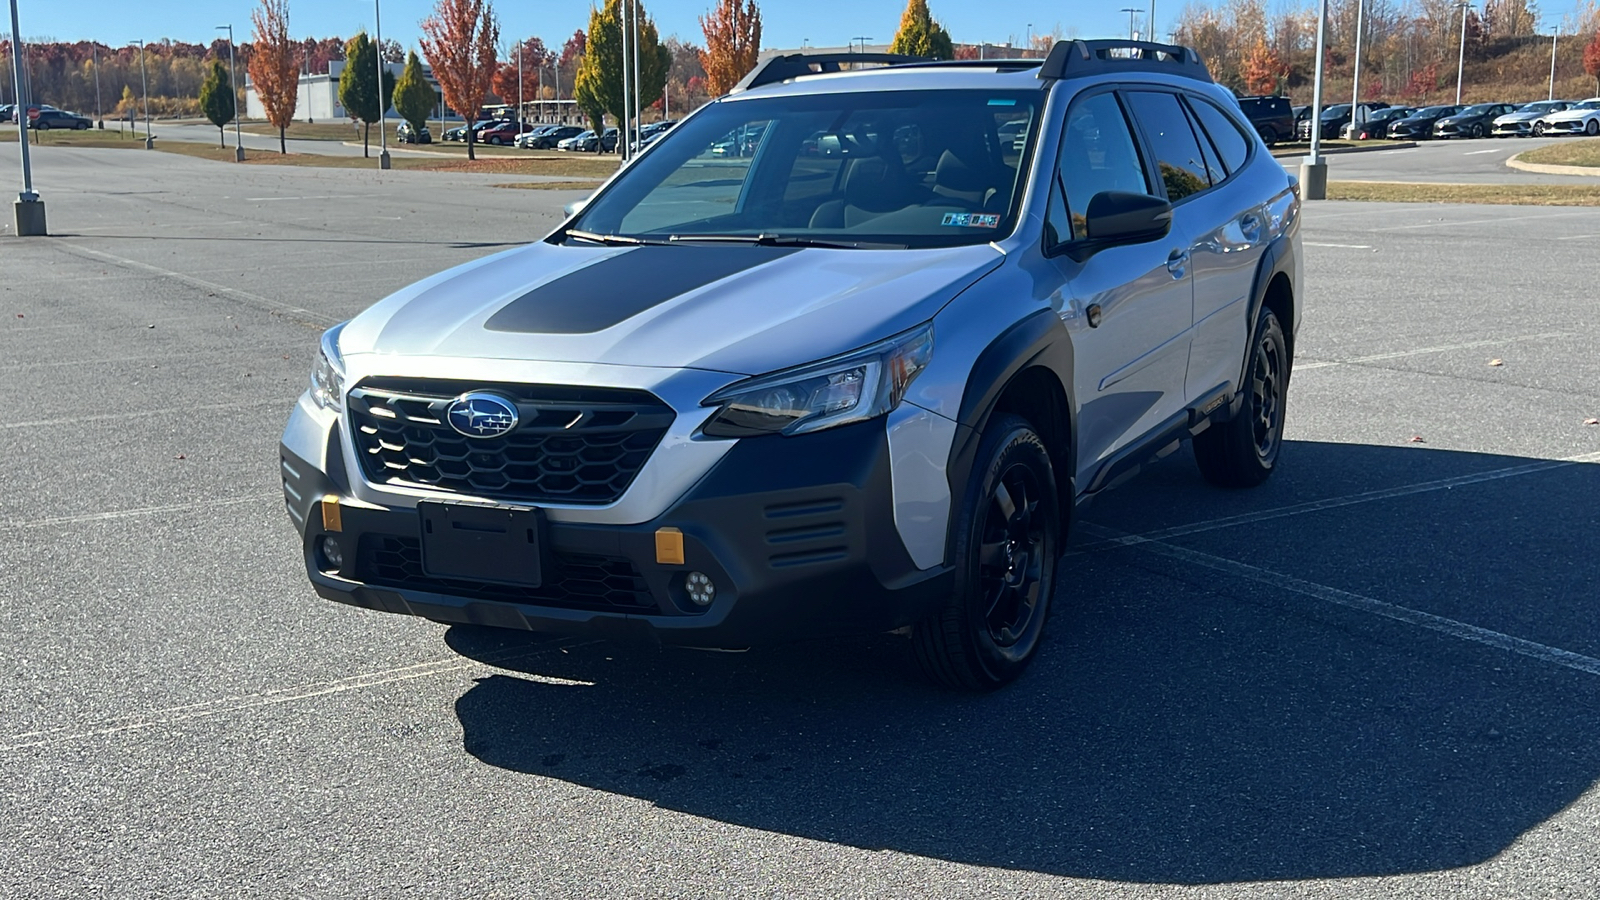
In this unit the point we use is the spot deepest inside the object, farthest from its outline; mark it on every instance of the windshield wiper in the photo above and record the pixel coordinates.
(775, 240)
(615, 240)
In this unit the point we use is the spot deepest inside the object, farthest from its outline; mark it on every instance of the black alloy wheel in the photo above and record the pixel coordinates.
(1538, 129)
(1006, 543)
(1244, 450)
(1477, 130)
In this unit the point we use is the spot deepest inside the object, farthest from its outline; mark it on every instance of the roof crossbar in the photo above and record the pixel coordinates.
(782, 68)
(1075, 59)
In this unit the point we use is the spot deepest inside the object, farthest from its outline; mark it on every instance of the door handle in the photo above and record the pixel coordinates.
(1178, 263)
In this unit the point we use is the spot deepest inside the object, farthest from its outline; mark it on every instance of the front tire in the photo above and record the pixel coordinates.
(1268, 135)
(1593, 128)
(1243, 451)
(1477, 131)
(1008, 538)
(1538, 129)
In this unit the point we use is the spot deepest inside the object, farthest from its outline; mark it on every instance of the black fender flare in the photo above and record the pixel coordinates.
(1039, 340)
(1278, 258)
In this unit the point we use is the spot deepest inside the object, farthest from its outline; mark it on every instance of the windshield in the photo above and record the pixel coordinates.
(1478, 110)
(1586, 104)
(1334, 112)
(1436, 111)
(1541, 106)
(900, 168)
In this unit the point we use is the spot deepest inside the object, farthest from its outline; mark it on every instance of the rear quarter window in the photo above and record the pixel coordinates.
(1224, 133)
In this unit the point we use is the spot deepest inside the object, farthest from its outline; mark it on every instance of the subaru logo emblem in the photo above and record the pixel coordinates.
(479, 415)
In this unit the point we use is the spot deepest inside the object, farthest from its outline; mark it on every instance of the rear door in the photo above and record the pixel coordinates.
(1130, 307)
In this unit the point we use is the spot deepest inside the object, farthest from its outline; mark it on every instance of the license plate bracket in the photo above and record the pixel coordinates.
(473, 542)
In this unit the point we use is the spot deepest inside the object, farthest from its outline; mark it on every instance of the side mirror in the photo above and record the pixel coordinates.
(575, 207)
(1115, 218)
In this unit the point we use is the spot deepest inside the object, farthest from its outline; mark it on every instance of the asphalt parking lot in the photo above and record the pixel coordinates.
(1376, 676)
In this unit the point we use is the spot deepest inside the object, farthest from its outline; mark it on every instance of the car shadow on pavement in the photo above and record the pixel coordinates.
(1180, 726)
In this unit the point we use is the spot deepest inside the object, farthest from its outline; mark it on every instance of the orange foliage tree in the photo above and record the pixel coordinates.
(1591, 59)
(1262, 69)
(459, 41)
(733, 41)
(274, 66)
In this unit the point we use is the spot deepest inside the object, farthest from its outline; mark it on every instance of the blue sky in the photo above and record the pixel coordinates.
(786, 22)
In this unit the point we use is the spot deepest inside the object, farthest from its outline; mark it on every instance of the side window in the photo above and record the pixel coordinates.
(1224, 133)
(1178, 156)
(1098, 154)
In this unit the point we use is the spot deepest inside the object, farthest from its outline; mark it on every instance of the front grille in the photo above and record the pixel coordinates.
(573, 445)
(573, 582)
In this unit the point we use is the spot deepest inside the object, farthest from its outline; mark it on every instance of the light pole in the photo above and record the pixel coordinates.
(1461, 58)
(29, 208)
(1553, 39)
(1150, 23)
(144, 86)
(99, 120)
(1355, 86)
(627, 104)
(638, 84)
(863, 41)
(1027, 39)
(383, 107)
(519, 88)
(1314, 170)
(1130, 10)
(238, 139)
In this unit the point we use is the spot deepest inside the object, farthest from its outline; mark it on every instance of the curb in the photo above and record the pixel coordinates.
(1543, 169)
(1330, 151)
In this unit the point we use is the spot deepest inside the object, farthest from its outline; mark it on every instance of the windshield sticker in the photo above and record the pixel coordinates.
(972, 220)
(1002, 103)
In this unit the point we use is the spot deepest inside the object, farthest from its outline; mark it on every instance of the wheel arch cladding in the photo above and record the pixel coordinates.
(1026, 370)
(1274, 289)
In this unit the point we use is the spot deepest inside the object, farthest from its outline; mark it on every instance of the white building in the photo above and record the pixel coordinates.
(318, 96)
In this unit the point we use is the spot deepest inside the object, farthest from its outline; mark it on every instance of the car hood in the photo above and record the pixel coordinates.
(1456, 120)
(1570, 115)
(732, 308)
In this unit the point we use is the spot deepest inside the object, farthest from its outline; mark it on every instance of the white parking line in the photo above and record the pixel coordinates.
(142, 413)
(293, 313)
(278, 696)
(1448, 223)
(1298, 509)
(1479, 152)
(1399, 354)
(1453, 628)
(135, 512)
(1340, 246)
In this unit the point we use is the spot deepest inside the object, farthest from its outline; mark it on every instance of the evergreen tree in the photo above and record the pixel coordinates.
(413, 97)
(358, 86)
(920, 35)
(217, 100)
(599, 84)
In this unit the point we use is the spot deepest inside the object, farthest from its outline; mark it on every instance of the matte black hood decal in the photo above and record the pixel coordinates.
(620, 287)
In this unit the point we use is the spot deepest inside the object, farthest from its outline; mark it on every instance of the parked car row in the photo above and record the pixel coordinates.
(45, 117)
(505, 132)
(1478, 120)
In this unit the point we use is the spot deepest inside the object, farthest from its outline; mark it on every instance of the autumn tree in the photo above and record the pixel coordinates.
(217, 100)
(599, 83)
(733, 42)
(358, 87)
(459, 42)
(920, 35)
(274, 65)
(1591, 59)
(413, 96)
(1262, 69)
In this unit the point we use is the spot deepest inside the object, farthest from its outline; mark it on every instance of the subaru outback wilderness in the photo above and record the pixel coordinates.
(855, 377)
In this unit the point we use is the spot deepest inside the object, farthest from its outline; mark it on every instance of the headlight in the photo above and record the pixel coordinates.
(859, 385)
(327, 379)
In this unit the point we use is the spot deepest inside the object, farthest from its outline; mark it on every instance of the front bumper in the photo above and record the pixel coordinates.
(797, 533)
(1572, 127)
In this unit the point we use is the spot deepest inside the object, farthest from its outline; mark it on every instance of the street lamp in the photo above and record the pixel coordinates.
(1553, 38)
(238, 139)
(1314, 170)
(29, 208)
(383, 108)
(1130, 10)
(1461, 58)
(863, 41)
(144, 85)
(99, 120)
(1355, 85)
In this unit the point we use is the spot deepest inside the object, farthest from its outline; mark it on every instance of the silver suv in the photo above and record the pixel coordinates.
(843, 352)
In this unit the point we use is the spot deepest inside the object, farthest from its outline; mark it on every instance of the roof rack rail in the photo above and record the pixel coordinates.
(1073, 59)
(794, 65)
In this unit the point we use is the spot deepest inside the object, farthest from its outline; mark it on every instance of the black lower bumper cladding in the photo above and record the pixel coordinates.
(796, 533)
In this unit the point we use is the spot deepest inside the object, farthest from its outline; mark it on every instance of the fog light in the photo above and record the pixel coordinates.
(330, 553)
(700, 588)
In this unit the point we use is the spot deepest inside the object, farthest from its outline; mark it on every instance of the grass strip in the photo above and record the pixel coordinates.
(1496, 194)
(1566, 153)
